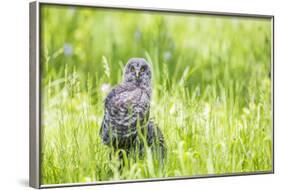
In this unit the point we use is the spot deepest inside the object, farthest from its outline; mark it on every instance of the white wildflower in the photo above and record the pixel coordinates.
(67, 49)
(137, 34)
(105, 87)
(206, 110)
(173, 109)
(167, 55)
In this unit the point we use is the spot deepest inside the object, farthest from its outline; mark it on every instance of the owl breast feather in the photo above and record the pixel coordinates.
(126, 109)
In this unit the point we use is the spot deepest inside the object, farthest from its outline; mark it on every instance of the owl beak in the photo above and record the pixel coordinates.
(137, 74)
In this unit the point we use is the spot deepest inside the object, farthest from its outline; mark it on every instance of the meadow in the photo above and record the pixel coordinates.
(211, 91)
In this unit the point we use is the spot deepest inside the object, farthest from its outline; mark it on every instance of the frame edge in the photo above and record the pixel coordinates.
(34, 173)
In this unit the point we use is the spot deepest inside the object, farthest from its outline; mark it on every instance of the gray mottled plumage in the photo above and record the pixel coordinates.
(126, 116)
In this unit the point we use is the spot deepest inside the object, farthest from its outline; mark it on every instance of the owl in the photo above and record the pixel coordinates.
(126, 123)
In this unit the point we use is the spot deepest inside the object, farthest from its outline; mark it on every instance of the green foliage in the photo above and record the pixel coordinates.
(211, 91)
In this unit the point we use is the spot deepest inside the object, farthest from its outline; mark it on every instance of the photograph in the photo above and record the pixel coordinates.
(140, 94)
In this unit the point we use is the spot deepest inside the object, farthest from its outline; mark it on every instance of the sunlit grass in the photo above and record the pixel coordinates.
(211, 92)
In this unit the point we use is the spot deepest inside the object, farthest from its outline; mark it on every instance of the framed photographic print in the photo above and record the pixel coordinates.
(132, 94)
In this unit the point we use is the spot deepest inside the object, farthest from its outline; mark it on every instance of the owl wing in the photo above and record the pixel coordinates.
(113, 99)
(105, 129)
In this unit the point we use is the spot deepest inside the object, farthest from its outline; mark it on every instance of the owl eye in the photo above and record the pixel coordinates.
(142, 69)
(132, 69)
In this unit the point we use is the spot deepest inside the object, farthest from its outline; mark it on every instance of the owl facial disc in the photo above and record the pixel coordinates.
(137, 72)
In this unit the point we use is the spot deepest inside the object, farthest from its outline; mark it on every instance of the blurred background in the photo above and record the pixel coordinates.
(212, 47)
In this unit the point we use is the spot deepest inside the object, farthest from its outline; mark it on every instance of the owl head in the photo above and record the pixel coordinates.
(138, 72)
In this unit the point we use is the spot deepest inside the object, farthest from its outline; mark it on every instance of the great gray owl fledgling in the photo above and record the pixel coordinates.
(126, 119)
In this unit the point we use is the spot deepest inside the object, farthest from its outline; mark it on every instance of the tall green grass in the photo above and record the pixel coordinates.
(211, 92)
